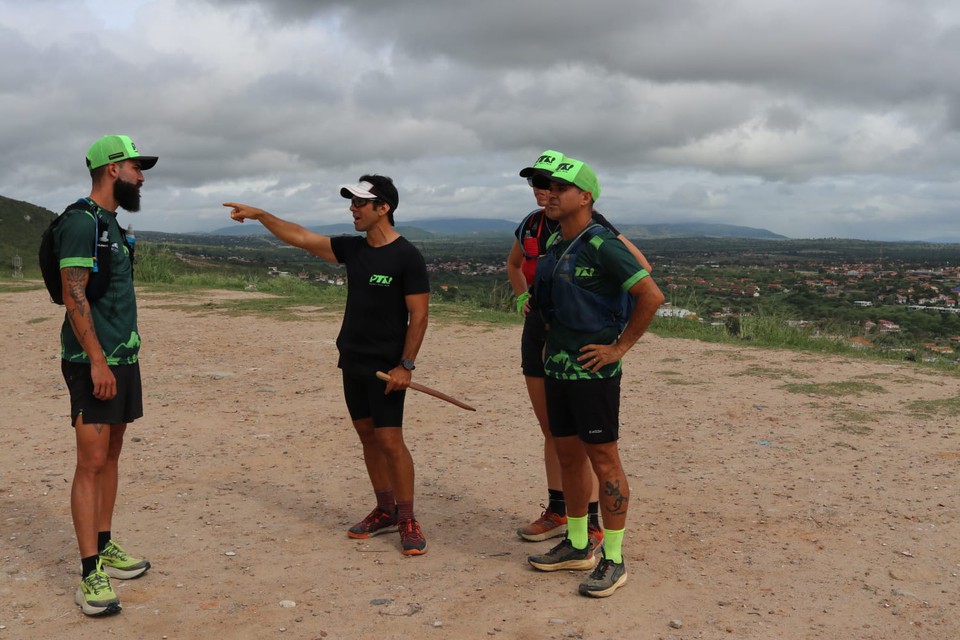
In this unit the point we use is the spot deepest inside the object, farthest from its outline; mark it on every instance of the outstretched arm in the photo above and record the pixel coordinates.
(290, 232)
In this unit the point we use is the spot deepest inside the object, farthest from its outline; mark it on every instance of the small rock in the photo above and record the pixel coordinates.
(288, 604)
(135, 439)
(230, 554)
(437, 624)
(557, 621)
(676, 624)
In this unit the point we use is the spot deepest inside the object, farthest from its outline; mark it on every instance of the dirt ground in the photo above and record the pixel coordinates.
(760, 509)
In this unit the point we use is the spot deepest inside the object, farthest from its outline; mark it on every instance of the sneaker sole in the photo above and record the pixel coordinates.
(414, 552)
(546, 535)
(369, 534)
(125, 574)
(88, 609)
(603, 593)
(585, 564)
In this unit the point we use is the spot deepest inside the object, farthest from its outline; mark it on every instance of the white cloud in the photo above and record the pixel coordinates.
(810, 119)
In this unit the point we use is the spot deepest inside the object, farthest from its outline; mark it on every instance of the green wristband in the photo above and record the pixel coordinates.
(522, 300)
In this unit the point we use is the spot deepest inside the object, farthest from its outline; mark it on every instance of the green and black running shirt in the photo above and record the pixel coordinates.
(376, 317)
(115, 314)
(604, 267)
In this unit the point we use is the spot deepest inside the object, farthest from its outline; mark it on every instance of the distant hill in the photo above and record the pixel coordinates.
(696, 230)
(411, 228)
(415, 229)
(22, 224)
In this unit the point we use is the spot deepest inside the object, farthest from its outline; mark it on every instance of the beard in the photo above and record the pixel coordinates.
(127, 194)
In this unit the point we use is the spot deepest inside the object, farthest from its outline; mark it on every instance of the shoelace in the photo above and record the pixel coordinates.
(113, 551)
(601, 569)
(98, 582)
(412, 529)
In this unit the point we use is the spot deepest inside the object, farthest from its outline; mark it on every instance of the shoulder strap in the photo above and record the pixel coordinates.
(552, 240)
(83, 204)
(588, 232)
(526, 219)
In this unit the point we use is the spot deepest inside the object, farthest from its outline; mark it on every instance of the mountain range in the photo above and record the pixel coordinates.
(416, 229)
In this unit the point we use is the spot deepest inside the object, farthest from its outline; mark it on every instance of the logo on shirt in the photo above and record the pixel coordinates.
(381, 281)
(584, 272)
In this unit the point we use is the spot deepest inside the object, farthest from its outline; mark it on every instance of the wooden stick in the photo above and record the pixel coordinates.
(431, 392)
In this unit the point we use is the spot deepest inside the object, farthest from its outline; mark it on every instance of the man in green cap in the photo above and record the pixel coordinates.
(100, 345)
(597, 300)
(530, 244)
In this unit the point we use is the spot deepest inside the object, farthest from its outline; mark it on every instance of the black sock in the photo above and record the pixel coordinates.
(557, 505)
(88, 565)
(103, 538)
(593, 512)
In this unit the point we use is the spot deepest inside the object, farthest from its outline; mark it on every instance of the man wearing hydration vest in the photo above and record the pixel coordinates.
(530, 244)
(596, 300)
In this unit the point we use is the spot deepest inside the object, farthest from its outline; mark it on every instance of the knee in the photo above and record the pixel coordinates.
(391, 444)
(92, 461)
(570, 452)
(605, 460)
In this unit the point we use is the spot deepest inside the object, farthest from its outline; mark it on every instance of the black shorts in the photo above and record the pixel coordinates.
(365, 399)
(531, 345)
(124, 408)
(586, 408)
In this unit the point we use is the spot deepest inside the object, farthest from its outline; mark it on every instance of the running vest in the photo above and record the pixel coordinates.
(561, 300)
(530, 232)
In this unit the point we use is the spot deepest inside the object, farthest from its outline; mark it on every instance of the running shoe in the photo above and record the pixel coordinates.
(548, 525)
(564, 556)
(377, 521)
(117, 564)
(605, 579)
(95, 596)
(595, 538)
(411, 537)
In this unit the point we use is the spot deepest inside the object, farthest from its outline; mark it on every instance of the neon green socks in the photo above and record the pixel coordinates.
(577, 531)
(613, 545)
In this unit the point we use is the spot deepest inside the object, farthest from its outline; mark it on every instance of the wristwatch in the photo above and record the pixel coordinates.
(407, 364)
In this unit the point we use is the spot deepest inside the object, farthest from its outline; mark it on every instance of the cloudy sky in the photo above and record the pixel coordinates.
(812, 119)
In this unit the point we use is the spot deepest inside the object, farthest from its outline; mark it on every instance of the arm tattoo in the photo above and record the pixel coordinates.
(76, 280)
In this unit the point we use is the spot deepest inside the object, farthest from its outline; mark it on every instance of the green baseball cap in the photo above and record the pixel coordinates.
(110, 149)
(545, 164)
(577, 173)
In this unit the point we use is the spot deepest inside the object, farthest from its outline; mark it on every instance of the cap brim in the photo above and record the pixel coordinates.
(146, 162)
(528, 172)
(356, 190)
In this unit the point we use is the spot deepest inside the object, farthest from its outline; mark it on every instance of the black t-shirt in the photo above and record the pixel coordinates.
(375, 321)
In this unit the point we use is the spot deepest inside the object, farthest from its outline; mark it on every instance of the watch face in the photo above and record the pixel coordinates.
(408, 365)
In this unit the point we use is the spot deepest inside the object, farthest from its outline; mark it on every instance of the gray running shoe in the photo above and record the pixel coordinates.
(564, 556)
(605, 579)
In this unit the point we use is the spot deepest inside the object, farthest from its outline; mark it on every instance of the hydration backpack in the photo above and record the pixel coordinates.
(99, 274)
(578, 308)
